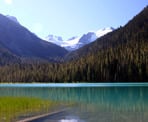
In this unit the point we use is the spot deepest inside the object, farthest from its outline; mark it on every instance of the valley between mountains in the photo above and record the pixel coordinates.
(108, 55)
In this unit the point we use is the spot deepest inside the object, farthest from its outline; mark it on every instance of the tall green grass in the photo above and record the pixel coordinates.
(13, 107)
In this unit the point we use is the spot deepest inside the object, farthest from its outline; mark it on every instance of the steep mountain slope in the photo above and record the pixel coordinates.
(135, 30)
(22, 43)
(75, 43)
(6, 57)
(120, 56)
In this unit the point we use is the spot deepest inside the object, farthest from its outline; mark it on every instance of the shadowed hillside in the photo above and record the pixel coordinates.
(20, 42)
(120, 56)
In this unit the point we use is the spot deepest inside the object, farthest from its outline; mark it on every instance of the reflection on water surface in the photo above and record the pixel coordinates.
(91, 104)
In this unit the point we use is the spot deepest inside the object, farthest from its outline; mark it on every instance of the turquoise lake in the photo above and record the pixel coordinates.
(118, 102)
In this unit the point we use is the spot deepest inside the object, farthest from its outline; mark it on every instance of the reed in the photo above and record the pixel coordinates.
(13, 107)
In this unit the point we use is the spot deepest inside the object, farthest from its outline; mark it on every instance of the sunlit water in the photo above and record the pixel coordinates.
(93, 102)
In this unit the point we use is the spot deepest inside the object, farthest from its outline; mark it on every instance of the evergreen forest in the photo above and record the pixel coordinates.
(119, 56)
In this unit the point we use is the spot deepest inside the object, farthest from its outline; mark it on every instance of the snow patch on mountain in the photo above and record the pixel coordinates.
(55, 39)
(71, 44)
(75, 43)
(104, 31)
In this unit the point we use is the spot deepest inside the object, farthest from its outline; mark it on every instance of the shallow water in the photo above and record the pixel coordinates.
(93, 102)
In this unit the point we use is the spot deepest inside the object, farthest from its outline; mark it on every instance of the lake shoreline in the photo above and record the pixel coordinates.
(44, 102)
(73, 85)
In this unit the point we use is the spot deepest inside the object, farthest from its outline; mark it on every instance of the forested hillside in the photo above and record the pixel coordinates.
(135, 30)
(120, 56)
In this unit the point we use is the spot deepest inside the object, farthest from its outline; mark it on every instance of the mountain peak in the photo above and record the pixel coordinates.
(21, 42)
(54, 38)
(76, 42)
(72, 38)
(14, 19)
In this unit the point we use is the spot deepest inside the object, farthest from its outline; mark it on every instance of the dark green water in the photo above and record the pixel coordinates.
(92, 104)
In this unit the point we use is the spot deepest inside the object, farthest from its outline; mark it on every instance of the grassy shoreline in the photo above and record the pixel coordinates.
(14, 108)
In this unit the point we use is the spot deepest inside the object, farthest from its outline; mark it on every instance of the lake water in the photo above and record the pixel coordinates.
(118, 102)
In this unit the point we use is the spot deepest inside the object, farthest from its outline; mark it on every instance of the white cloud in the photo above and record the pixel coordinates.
(8, 1)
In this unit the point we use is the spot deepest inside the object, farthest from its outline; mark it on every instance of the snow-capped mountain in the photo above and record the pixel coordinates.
(55, 39)
(71, 44)
(75, 43)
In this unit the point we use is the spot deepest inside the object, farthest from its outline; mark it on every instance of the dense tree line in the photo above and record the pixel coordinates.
(120, 56)
(125, 63)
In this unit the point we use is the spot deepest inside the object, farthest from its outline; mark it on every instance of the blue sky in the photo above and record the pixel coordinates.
(69, 18)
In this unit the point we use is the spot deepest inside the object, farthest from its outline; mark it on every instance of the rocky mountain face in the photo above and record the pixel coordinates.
(75, 42)
(19, 41)
(119, 56)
